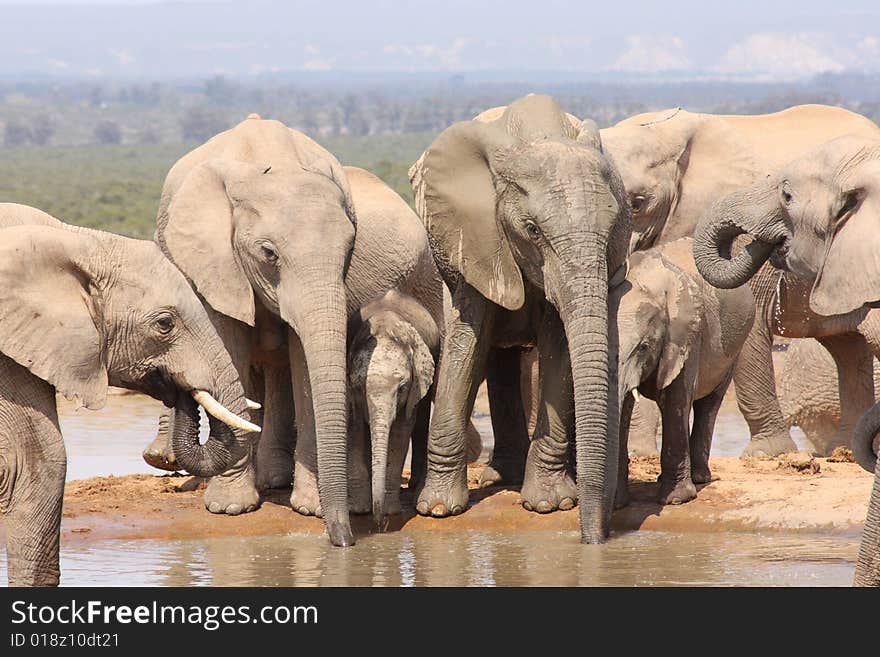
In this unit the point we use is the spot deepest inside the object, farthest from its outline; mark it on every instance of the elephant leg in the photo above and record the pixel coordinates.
(304, 499)
(643, 427)
(275, 450)
(621, 498)
(418, 464)
(508, 419)
(705, 413)
(675, 401)
(547, 485)
(855, 384)
(159, 453)
(868, 564)
(33, 464)
(756, 393)
(461, 369)
(359, 495)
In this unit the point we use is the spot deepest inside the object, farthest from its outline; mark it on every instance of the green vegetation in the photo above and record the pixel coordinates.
(116, 187)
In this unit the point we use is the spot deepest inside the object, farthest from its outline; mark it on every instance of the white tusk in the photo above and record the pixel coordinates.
(252, 405)
(219, 411)
(637, 395)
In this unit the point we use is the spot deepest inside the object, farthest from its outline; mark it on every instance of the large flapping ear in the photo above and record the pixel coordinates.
(850, 271)
(422, 372)
(458, 200)
(198, 236)
(50, 310)
(684, 307)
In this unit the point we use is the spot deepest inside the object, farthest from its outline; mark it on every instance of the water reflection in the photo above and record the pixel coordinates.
(535, 558)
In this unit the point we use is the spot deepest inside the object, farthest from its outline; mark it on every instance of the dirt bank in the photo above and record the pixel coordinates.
(799, 494)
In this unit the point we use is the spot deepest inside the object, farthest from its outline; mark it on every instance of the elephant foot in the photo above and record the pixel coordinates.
(676, 492)
(544, 491)
(275, 470)
(772, 446)
(232, 494)
(621, 497)
(701, 474)
(443, 495)
(502, 472)
(305, 499)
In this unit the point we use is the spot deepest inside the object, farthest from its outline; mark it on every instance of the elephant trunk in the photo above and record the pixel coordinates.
(317, 311)
(864, 437)
(743, 212)
(379, 431)
(584, 313)
(230, 433)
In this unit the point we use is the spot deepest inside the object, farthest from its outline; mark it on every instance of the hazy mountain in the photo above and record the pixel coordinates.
(750, 39)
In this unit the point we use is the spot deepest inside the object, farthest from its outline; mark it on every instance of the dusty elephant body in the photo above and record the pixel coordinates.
(391, 370)
(674, 165)
(679, 339)
(529, 226)
(81, 310)
(817, 216)
(284, 245)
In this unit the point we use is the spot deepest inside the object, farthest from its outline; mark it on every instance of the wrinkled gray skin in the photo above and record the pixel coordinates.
(81, 310)
(806, 382)
(528, 224)
(391, 370)
(675, 164)
(678, 342)
(816, 216)
(284, 245)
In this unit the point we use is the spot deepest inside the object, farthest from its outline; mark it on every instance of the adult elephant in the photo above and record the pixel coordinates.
(284, 245)
(529, 225)
(674, 165)
(80, 310)
(817, 216)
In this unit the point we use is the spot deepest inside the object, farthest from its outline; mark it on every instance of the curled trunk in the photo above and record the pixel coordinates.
(751, 212)
(868, 564)
(864, 438)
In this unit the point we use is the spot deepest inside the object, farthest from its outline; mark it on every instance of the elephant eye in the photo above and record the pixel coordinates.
(269, 252)
(533, 230)
(164, 323)
(636, 202)
(786, 193)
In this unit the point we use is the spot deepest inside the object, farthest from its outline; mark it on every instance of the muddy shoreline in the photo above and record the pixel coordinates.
(780, 495)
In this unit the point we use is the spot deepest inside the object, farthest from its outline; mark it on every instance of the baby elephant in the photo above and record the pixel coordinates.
(679, 339)
(391, 370)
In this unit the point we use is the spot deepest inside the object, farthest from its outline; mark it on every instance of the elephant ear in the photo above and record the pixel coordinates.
(684, 307)
(850, 273)
(50, 311)
(458, 197)
(198, 237)
(422, 372)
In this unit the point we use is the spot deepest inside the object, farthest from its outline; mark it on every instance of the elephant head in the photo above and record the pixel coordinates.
(83, 309)
(283, 231)
(658, 322)
(816, 218)
(531, 199)
(391, 370)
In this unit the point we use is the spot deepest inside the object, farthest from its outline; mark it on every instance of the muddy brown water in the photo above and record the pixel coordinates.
(110, 442)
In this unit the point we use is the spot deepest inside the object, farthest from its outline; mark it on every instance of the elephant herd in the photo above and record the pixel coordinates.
(326, 329)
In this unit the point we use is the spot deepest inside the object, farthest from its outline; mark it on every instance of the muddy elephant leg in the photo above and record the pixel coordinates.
(461, 370)
(278, 439)
(675, 401)
(705, 414)
(508, 419)
(547, 485)
(359, 496)
(756, 393)
(304, 499)
(33, 465)
(621, 498)
(418, 464)
(643, 427)
(855, 385)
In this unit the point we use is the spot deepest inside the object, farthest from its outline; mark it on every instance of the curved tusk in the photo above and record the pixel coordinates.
(252, 405)
(219, 411)
(637, 395)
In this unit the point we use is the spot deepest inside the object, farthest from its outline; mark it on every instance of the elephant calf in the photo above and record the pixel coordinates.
(679, 339)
